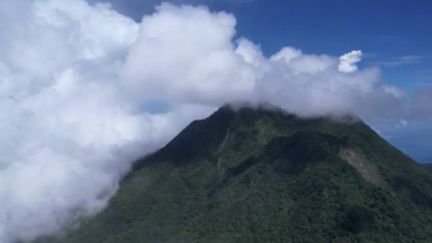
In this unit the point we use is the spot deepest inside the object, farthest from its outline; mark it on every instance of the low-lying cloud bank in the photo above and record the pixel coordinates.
(77, 81)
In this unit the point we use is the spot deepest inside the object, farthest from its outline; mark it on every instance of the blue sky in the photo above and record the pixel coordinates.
(394, 35)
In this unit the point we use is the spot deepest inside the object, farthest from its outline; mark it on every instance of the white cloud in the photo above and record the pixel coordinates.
(348, 61)
(74, 78)
(186, 55)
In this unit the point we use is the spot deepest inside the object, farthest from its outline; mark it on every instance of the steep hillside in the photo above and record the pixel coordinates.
(260, 175)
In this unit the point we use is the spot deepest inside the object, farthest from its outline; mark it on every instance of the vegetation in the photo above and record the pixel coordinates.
(259, 175)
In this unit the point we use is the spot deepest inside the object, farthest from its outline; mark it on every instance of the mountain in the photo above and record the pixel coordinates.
(262, 175)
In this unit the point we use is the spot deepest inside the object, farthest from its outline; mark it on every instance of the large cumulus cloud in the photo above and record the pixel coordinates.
(76, 80)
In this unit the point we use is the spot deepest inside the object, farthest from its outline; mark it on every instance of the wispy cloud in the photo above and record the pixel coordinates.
(398, 61)
(425, 83)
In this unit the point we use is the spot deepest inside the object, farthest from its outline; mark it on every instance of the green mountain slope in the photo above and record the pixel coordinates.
(258, 175)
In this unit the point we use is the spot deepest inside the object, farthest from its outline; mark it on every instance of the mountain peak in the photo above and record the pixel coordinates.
(239, 121)
(236, 132)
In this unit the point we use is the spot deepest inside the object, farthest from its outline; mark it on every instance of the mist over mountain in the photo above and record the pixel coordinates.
(263, 175)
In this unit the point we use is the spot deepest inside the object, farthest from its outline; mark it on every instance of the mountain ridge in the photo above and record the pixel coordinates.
(259, 174)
